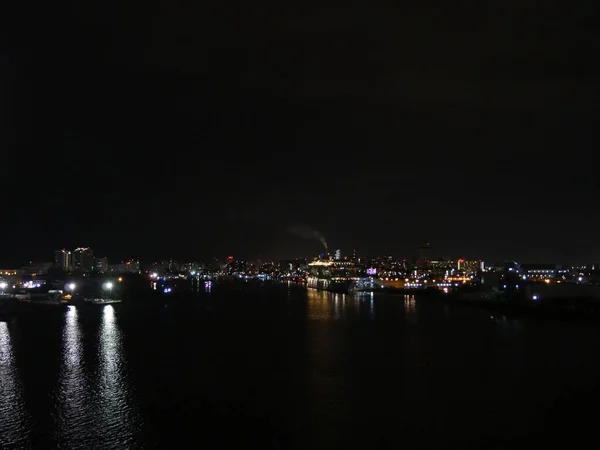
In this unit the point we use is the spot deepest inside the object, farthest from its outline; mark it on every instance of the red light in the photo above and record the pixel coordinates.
(230, 257)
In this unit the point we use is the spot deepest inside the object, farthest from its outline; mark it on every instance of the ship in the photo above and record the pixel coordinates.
(333, 275)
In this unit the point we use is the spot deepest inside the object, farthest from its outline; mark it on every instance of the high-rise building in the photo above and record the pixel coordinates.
(169, 266)
(101, 265)
(63, 260)
(470, 267)
(442, 264)
(83, 259)
(338, 255)
(132, 266)
(424, 256)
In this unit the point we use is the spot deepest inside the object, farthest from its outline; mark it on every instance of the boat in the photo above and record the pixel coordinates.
(101, 301)
(333, 275)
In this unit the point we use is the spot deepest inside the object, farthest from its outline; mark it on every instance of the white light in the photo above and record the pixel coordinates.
(108, 286)
(71, 286)
(3, 285)
(535, 297)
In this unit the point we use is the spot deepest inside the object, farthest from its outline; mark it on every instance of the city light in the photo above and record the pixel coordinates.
(71, 286)
(108, 286)
(3, 285)
(120, 280)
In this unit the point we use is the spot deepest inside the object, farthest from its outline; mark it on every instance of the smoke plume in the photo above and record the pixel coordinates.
(306, 232)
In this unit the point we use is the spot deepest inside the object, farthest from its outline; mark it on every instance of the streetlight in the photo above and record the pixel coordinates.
(108, 286)
(3, 285)
(71, 287)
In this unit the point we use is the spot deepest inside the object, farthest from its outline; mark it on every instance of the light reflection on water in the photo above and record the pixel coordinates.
(116, 414)
(14, 419)
(409, 304)
(75, 418)
(94, 403)
(338, 306)
(324, 305)
(318, 306)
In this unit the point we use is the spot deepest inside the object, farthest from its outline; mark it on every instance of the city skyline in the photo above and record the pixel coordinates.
(298, 247)
(84, 257)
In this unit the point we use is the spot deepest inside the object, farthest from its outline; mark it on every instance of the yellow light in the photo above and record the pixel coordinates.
(120, 279)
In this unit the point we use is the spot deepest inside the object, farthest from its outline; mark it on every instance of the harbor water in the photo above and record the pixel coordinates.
(282, 367)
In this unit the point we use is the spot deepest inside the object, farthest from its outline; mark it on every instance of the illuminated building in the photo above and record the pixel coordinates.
(389, 278)
(442, 264)
(37, 268)
(538, 272)
(132, 266)
(63, 260)
(83, 259)
(101, 265)
(235, 266)
(470, 267)
(10, 272)
(186, 267)
(169, 266)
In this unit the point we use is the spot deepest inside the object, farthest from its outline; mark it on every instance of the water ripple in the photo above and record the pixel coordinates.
(117, 418)
(74, 416)
(14, 419)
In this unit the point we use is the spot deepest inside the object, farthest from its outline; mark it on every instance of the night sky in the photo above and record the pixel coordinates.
(179, 130)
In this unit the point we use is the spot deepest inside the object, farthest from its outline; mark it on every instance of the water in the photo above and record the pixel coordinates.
(284, 367)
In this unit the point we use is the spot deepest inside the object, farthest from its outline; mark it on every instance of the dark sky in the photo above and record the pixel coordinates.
(152, 130)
